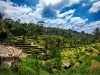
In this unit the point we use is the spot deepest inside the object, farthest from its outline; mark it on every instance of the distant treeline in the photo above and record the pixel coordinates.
(15, 28)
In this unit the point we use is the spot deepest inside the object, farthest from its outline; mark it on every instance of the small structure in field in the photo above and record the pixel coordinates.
(41, 23)
(66, 65)
(9, 55)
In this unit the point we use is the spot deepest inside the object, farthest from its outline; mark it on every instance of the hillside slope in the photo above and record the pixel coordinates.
(83, 60)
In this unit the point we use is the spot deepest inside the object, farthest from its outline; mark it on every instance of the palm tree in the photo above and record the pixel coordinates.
(97, 31)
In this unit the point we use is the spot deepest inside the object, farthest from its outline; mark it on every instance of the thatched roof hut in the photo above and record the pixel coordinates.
(9, 51)
(8, 55)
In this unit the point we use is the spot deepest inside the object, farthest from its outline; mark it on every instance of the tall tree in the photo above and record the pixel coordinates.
(96, 34)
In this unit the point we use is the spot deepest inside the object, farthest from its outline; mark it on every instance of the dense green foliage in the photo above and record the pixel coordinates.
(8, 27)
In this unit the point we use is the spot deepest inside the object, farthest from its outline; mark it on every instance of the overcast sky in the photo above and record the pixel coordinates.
(79, 15)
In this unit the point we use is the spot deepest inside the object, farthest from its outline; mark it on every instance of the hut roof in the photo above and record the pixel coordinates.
(9, 51)
(40, 22)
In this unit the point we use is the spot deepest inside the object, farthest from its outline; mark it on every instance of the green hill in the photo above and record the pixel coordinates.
(51, 51)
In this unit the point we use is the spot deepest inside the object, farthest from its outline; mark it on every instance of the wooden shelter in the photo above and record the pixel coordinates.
(9, 54)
